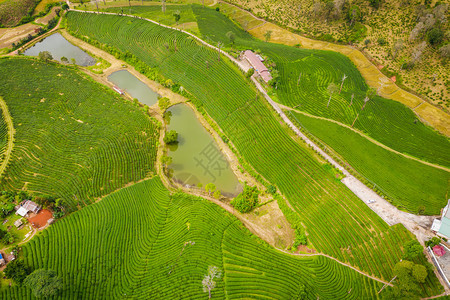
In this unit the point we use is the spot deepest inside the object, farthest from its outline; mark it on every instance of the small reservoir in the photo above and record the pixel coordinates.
(58, 47)
(134, 87)
(197, 159)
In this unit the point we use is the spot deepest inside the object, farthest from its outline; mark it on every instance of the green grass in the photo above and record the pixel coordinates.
(75, 139)
(12, 11)
(410, 183)
(126, 245)
(19, 235)
(337, 222)
(387, 121)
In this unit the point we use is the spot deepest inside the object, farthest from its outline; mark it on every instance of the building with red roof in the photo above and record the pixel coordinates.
(258, 65)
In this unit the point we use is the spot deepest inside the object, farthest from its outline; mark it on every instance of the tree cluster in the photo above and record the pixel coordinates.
(17, 270)
(44, 283)
(171, 137)
(246, 200)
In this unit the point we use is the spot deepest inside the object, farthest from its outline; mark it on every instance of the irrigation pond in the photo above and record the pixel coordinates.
(197, 159)
(134, 87)
(58, 47)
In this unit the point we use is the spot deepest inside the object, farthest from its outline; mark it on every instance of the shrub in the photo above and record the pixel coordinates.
(171, 137)
(246, 200)
(249, 73)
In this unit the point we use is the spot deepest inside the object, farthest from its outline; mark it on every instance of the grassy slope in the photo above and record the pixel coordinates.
(387, 121)
(74, 138)
(337, 222)
(12, 11)
(410, 183)
(126, 246)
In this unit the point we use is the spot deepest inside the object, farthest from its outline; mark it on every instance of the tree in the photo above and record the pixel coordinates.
(17, 271)
(445, 51)
(44, 283)
(268, 35)
(217, 194)
(163, 103)
(246, 200)
(64, 60)
(419, 273)
(208, 282)
(351, 100)
(171, 137)
(412, 250)
(177, 16)
(45, 56)
(73, 60)
(435, 36)
(409, 275)
(375, 3)
(166, 160)
(354, 14)
(210, 187)
(331, 89)
(231, 36)
(65, 6)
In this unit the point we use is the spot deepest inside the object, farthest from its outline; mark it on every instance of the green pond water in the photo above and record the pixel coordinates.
(134, 87)
(197, 158)
(58, 47)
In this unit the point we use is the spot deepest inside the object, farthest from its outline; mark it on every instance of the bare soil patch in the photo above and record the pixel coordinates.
(8, 36)
(44, 20)
(40, 220)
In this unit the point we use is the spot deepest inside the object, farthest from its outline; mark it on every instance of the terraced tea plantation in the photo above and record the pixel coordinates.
(75, 139)
(142, 243)
(3, 136)
(384, 167)
(304, 78)
(337, 222)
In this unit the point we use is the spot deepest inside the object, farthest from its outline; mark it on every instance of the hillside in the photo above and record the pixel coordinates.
(12, 11)
(141, 242)
(70, 140)
(307, 182)
(389, 31)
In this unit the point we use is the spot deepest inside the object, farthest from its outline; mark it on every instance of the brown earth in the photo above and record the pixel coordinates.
(40, 220)
(14, 35)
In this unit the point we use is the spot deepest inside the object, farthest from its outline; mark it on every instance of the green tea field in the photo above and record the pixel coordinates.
(74, 139)
(141, 243)
(337, 222)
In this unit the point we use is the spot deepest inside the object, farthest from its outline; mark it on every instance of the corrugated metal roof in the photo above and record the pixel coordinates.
(258, 65)
(445, 227)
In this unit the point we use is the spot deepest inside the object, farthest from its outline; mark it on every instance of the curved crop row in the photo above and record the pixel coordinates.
(74, 139)
(337, 222)
(304, 77)
(142, 243)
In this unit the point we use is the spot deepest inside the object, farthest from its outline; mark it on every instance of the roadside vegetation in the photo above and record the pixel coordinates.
(336, 221)
(141, 242)
(75, 140)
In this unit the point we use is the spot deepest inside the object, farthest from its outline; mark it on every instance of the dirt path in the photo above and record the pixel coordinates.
(11, 132)
(366, 137)
(428, 113)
